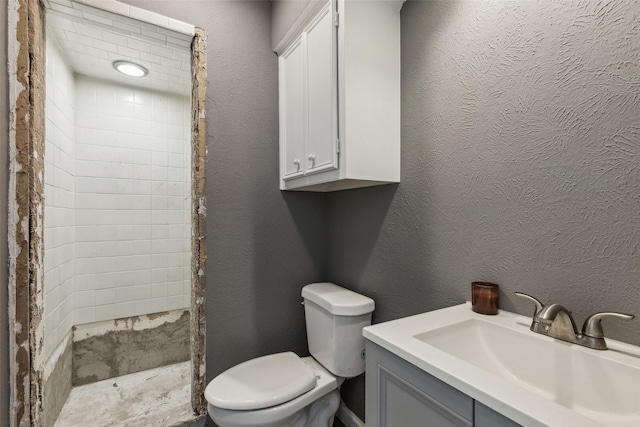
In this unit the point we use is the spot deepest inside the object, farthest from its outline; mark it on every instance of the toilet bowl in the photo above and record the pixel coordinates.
(284, 390)
(318, 404)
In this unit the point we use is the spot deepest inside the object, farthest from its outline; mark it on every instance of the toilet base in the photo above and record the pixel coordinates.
(322, 411)
(319, 413)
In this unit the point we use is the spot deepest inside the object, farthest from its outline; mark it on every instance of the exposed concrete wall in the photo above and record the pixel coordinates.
(119, 347)
(4, 132)
(57, 382)
(262, 245)
(520, 147)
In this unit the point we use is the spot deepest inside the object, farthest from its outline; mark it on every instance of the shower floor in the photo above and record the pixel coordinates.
(158, 397)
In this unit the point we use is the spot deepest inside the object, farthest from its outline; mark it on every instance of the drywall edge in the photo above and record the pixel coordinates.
(198, 216)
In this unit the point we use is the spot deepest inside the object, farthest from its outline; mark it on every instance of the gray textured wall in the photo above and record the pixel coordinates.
(4, 134)
(284, 14)
(520, 165)
(262, 245)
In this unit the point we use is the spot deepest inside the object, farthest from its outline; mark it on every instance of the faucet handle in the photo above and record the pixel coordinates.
(593, 327)
(539, 305)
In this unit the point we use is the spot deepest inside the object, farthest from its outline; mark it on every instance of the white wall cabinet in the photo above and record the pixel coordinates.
(339, 80)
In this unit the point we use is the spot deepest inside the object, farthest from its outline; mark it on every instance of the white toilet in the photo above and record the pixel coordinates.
(284, 390)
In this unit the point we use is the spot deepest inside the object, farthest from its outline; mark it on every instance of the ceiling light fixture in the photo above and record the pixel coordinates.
(130, 69)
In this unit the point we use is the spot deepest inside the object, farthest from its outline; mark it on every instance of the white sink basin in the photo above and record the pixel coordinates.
(530, 378)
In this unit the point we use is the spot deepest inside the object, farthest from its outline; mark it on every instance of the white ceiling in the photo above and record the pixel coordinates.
(92, 39)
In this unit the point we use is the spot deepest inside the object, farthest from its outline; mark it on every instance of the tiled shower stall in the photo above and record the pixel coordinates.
(117, 201)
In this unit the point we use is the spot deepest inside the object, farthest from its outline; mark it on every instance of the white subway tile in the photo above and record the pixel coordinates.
(160, 143)
(174, 274)
(175, 302)
(159, 247)
(122, 278)
(157, 305)
(105, 312)
(159, 275)
(85, 119)
(176, 131)
(84, 315)
(186, 287)
(158, 290)
(106, 122)
(175, 287)
(159, 158)
(84, 299)
(159, 202)
(175, 260)
(141, 157)
(105, 100)
(85, 98)
(84, 282)
(175, 160)
(175, 202)
(142, 172)
(142, 111)
(175, 174)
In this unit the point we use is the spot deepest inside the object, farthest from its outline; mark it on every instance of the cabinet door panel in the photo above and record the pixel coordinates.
(407, 406)
(321, 94)
(292, 99)
(399, 394)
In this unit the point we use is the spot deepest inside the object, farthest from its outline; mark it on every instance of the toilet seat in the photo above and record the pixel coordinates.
(274, 415)
(261, 383)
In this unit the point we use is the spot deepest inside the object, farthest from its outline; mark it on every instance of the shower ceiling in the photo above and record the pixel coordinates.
(92, 39)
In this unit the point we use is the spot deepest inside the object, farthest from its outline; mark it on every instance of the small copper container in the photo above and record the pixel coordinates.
(485, 297)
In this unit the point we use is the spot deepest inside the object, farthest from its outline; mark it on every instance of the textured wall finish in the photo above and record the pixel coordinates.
(284, 14)
(520, 165)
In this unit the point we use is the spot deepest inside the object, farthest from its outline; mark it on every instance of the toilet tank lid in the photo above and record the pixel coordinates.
(337, 300)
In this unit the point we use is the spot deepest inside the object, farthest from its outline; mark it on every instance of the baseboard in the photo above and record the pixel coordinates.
(348, 418)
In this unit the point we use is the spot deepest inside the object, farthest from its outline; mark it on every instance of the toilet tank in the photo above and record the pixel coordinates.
(335, 317)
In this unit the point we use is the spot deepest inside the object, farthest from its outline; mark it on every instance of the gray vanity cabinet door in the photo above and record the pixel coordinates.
(487, 417)
(399, 394)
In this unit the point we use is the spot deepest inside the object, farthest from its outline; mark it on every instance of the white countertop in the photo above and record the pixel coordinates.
(506, 397)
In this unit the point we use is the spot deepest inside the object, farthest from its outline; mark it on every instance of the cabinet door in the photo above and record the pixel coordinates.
(292, 111)
(399, 394)
(322, 92)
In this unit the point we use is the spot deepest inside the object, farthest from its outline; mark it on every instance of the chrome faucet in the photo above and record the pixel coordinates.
(556, 321)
